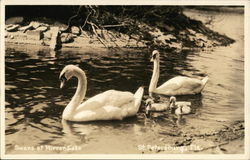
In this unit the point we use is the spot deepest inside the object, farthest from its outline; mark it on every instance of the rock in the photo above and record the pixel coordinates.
(191, 31)
(175, 45)
(12, 28)
(47, 34)
(160, 37)
(14, 20)
(35, 24)
(8, 25)
(42, 28)
(25, 28)
(63, 28)
(75, 30)
(169, 37)
(67, 38)
(35, 35)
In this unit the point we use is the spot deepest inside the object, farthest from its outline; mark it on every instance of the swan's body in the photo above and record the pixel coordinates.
(179, 85)
(181, 107)
(182, 110)
(109, 105)
(152, 106)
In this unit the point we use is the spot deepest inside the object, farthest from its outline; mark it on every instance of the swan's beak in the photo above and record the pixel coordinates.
(63, 80)
(172, 108)
(171, 101)
(152, 59)
(62, 83)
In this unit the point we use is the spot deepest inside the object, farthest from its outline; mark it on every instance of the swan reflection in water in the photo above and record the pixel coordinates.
(87, 133)
(76, 132)
(81, 133)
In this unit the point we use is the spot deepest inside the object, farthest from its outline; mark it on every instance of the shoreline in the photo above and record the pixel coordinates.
(183, 34)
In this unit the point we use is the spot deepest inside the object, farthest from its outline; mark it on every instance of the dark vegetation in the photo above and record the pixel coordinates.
(138, 22)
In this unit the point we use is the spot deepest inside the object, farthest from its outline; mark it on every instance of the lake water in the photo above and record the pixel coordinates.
(34, 101)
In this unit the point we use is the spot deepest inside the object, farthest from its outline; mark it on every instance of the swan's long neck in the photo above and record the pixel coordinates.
(155, 77)
(79, 94)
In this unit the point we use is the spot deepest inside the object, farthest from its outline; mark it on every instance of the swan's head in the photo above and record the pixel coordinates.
(149, 102)
(172, 106)
(67, 73)
(172, 99)
(155, 55)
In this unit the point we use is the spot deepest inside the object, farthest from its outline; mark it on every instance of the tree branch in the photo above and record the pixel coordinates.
(98, 37)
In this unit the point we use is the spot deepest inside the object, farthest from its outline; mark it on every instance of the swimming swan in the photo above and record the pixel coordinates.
(181, 107)
(179, 85)
(109, 105)
(151, 105)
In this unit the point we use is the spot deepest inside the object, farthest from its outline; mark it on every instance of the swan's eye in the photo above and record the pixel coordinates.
(154, 56)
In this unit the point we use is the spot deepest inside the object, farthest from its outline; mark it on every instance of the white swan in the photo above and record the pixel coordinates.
(181, 107)
(152, 106)
(179, 85)
(109, 105)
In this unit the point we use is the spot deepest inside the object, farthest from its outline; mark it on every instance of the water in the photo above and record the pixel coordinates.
(34, 101)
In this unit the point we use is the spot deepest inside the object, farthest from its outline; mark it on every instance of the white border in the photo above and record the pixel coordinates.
(246, 3)
(247, 78)
(127, 2)
(2, 80)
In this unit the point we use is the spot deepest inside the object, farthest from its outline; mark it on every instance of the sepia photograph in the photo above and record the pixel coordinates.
(124, 80)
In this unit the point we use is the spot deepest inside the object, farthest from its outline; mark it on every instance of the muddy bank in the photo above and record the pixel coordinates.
(227, 139)
(161, 27)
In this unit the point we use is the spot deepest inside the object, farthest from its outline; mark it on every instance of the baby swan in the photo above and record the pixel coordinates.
(152, 106)
(179, 108)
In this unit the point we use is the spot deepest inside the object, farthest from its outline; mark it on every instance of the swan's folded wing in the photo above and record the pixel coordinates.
(183, 83)
(107, 112)
(110, 97)
(102, 113)
(181, 103)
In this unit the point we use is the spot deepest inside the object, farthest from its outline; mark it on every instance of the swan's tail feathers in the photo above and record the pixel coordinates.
(138, 96)
(204, 81)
